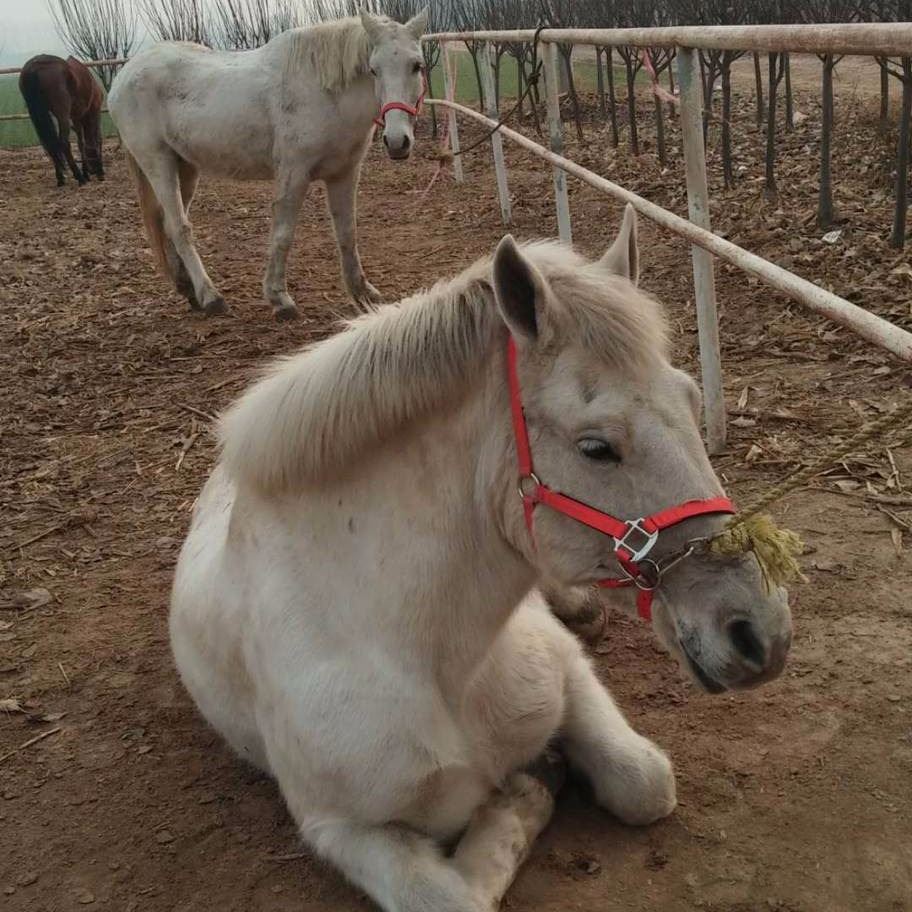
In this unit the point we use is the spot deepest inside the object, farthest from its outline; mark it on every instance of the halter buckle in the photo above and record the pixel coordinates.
(636, 551)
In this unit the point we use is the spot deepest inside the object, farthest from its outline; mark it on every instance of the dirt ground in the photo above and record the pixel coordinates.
(795, 797)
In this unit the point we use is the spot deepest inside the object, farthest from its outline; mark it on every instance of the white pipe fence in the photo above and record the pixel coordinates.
(870, 39)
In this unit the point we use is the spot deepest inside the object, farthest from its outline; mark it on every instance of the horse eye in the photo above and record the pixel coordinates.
(416, 68)
(598, 450)
(373, 71)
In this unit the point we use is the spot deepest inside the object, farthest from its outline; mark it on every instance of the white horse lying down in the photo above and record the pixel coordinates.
(299, 109)
(354, 608)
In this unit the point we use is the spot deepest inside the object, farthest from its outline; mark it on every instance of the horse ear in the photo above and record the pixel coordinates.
(623, 256)
(418, 24)
(372, 25)
(519, 289)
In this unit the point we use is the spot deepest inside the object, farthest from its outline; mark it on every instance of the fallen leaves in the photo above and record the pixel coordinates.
(30, 599)
(11, 705)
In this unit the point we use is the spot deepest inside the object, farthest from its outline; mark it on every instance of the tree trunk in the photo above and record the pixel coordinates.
(883, 124)
(631, 102)
(430, 94)
(533, 93)
(709, 72)
(825, 214)
(571, 88)
(520, 88)
(474, 51)
(612, 101)
(660, 129)
(600, 83)
(898, 238)
(532, 60)
(770, 190)
(728, 171)
(789, 105)
(671, 83)
(758, 82)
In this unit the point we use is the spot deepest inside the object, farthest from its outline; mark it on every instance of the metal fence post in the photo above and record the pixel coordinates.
(490, 103)
(556, 131)
(704, 281)
(449, 90)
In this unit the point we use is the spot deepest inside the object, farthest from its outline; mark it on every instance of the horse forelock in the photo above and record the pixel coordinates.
(338, 52)
(314, 412)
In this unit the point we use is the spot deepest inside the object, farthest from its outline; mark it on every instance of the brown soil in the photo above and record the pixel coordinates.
(793, 798)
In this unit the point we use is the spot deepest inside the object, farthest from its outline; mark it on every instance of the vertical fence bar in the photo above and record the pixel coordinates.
(556, 132)
(490, 101)
(704, 280)
(449, 90)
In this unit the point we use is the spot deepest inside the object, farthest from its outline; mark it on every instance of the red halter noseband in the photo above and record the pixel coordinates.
(633, 539)
(380, 119)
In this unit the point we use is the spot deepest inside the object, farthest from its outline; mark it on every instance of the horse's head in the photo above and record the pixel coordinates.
(397, 66)
(613, 425)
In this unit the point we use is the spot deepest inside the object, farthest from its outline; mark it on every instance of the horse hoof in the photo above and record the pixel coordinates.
(215, 307)
(286, 312)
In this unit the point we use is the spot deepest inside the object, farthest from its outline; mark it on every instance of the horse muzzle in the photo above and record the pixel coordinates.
(742, 655)
(399, 146)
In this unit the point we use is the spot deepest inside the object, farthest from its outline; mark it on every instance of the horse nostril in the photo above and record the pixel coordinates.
(386, 141)
(406, 143)
(747, 644)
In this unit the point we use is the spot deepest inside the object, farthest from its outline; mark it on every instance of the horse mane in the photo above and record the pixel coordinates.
(314, 412)
(337, 51)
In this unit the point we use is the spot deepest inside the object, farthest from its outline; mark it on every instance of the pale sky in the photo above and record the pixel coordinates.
(26, 28)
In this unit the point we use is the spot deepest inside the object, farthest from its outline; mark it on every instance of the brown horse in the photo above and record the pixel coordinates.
(66, 89)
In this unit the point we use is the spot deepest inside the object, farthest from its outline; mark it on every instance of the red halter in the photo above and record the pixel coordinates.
(380, 119)
(633, 539)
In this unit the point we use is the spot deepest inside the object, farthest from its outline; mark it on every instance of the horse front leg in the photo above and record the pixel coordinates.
(630, 776)
(290, 192)
(341, 195)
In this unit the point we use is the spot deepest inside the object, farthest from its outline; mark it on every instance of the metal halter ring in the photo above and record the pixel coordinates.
(523, 479)
(642, 582)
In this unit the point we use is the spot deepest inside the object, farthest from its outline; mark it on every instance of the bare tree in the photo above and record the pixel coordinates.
(96, 30)
(827, 11)
(603, 14)
(901, 69)
(772, 11)
(628, 14)
(176, 20)
(789, 101)
(758, 89)
(518, 14)
(564, 14)
(243, 24)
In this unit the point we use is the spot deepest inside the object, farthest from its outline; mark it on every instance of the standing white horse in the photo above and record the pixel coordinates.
(354, 607)
(299, 109)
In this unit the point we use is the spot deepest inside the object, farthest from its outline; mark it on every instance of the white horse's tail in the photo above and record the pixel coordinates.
(152, 213)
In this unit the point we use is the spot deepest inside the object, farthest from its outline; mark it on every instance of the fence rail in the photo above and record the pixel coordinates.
(119, 61)
(867, 39)
(11, 71)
